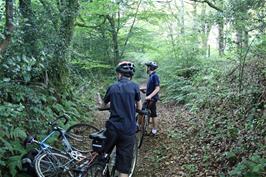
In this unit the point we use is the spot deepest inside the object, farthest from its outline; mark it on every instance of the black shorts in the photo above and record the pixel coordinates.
(124, 148)
(152, 106)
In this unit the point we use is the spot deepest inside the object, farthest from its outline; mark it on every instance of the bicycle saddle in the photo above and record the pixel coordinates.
(100, 135)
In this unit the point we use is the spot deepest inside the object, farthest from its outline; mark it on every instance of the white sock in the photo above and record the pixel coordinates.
(154, 130)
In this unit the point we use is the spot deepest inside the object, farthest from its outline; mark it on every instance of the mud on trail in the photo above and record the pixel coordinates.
(160, 156)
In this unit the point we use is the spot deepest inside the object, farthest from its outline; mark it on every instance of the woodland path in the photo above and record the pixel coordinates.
(161, 156)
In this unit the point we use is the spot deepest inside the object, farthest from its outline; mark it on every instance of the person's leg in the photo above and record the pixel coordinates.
(155, 123)
(124, 154)
(111, 138)
(154, 118)
(123, 175)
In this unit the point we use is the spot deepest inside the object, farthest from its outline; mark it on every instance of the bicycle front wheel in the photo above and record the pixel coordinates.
(142, 132)
(53, 165)
(78, 136)
(134, 160)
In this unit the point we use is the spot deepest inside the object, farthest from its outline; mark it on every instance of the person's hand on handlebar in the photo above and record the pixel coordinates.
(148, 98)
(101, 106)
(143, 90)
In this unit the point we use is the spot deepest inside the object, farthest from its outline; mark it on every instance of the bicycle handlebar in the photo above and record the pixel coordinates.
(64, 116)
(141, 112)
(104, 109)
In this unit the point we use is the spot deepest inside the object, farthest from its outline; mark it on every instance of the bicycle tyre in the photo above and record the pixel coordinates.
(115, 173)
(95, 170)
(134, 160)
(143, 129)
(78, 136)
(53, 165)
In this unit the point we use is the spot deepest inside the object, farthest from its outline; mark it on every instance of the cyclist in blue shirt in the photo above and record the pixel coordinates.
(152, 93)
(123, 97)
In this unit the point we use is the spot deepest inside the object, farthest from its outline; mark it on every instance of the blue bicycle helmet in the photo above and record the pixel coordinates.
(153, 65)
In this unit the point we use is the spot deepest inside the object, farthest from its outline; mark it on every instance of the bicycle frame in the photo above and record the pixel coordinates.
(42, 143)
(143, 119)
(105, 163)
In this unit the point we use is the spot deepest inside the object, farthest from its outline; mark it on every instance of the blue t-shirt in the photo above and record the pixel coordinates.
(122, 96)
(153, 81)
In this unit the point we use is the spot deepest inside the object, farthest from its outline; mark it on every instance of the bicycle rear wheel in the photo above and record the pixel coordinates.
(114, 172)
(134, 160)
(78, 136)
(95, 170)
(53, 165)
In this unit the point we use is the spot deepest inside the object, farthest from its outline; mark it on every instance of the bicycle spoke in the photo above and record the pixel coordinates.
(78, 137)
(54, 165)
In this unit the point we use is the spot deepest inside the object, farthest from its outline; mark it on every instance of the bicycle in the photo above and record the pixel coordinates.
(51, 161)
(143, 119)
(104, 165)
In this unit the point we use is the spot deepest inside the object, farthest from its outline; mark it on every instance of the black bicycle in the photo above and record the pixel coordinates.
(102, 165)
(143, 119)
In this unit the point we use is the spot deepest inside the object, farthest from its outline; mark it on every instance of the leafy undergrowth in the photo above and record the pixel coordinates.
(188, 147)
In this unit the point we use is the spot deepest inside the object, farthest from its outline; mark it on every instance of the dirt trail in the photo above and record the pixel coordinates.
(157, 156)
(163, 155)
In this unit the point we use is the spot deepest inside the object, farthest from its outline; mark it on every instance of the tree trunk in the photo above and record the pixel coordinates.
(29, 34)
(246, 39)
(221, 35)
(172, 40)
(182, 17)
(194, 14)
(205, 30)
(58, 67)
(9, 27)
(220, 22)
(130, 30)
(114, 34)
(239, 39)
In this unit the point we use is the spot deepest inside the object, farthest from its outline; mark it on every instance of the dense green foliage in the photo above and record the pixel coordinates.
(211, 56)
(227, 95)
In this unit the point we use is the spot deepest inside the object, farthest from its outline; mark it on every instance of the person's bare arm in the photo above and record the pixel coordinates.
(155, 91)
(100, 102)
(143, 89)
(139, 105)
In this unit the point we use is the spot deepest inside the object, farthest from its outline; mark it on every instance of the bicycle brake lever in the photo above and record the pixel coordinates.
(66, 118)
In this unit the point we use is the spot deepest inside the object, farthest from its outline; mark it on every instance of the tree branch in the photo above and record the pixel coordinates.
(83, 23)
(209, 4)
(131, 28)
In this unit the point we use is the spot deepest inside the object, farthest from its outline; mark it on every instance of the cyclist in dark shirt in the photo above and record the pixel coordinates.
(152, 93)
(123, 97)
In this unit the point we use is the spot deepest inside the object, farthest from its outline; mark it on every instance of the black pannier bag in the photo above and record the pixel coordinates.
(98, 140)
